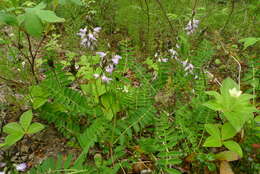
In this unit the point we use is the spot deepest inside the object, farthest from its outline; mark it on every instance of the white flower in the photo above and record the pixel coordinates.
(177, 46)
(105, 79)
(2, 172)
(109, 68)
(96, 76)
(101, 54)
(21, 167)
(234, 92)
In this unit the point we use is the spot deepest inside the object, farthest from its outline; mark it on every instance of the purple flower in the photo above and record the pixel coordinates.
(97, 29)
(110, 68)
(105, 79)
(2, 164)
(21, 167)
(116, 59)
(101, 54)
(192, 26)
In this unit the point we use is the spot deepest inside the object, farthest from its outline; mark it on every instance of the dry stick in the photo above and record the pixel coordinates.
(33, 58)
(12, 81)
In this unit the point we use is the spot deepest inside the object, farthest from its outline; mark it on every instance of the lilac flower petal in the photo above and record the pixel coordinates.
(106, 79)
(2, 164)
(115, 61)
(109, 68)
(21, 167)
(101, 54)
(97, 29)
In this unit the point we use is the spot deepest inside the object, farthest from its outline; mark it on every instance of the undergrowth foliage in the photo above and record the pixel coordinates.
(135, 86)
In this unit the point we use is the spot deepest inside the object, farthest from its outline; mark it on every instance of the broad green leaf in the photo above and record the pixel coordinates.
(40, 6)
(172, 171)
(32, 24)
(227, 156)
(227, 131)
(234, 147)
(228, 84)
(8, 19)
(213, 141)
(237, 120)
(249, 41)
(13, 128)
(49, 16)
(12, 139)
(213, 105)
(26, 119)
(35, 127)
(38, 102)
(212, 129)
(214, 94)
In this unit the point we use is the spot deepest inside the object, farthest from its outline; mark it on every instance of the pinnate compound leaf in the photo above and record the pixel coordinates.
(228, 131)
(227, 156)
(13, 128)
(35, 127)
(225, 168)
(234, 147)
(26, 119)
(49, 16)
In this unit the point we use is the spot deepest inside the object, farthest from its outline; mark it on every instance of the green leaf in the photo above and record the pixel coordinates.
(249, 41)
(35, 127)
(228, 84)
(236, 119)
(12, 139)
(32, 24)
(227, 131)
(13, 128)
(212, 129)
(49, 16)
(213, 105)
(227, 156)
(8, 19)
(26, 119)
(213, 141)
(234, 147)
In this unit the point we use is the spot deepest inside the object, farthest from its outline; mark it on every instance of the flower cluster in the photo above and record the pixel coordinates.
(109, 68)
(19, 167)
(192, 26)
(89, 37)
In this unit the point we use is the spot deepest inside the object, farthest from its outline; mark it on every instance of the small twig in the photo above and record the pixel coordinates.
(32, 58)
(9, 80)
